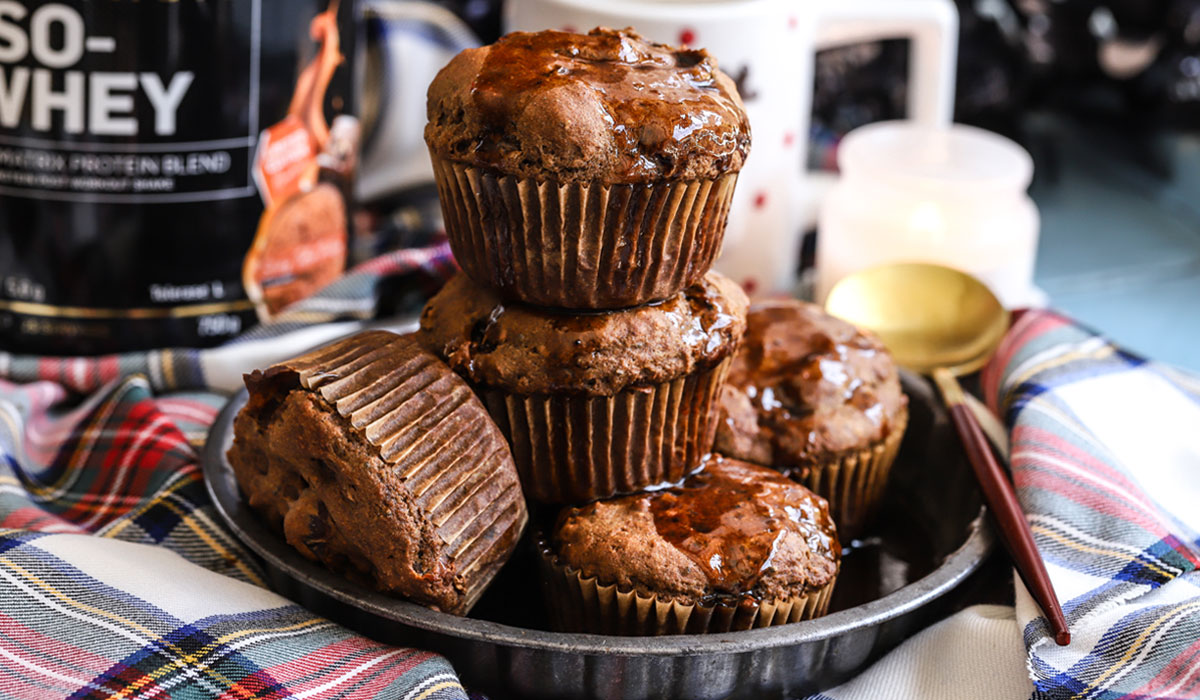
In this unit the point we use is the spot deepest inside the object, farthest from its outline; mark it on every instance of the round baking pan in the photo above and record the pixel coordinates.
(930, 537)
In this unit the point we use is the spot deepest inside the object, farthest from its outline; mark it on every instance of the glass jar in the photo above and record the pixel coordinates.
(913, 193)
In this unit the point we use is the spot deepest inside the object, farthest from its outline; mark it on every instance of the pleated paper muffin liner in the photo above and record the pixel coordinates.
(425, 424)
(586, 245)
(581, 603)
(572, 448)
(854, 483)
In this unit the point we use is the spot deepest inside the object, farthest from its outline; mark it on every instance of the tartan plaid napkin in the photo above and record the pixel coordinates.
(118, 582)
(1105, 452)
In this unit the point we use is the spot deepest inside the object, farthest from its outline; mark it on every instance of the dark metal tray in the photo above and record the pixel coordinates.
(931, 536)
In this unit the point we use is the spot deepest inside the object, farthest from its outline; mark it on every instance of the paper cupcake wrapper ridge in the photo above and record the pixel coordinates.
(425, 421)
(577, 448)
(582, 245)
(579, 603)
(854, 483)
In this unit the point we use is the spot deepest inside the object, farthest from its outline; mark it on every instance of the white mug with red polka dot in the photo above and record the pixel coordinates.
(767, 46)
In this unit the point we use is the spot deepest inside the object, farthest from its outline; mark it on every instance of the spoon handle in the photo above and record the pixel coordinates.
(1002, 501)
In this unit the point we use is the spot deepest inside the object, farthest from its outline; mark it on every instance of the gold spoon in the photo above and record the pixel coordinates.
(945, 323)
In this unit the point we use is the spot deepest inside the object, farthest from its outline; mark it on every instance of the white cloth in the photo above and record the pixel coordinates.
(977, 653)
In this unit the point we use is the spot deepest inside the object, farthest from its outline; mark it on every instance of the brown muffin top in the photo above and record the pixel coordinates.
(607, 105)
(805, 385)
(731, 529)
(529, 350)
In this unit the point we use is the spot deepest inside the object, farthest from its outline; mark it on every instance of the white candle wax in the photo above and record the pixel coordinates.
(954, 196)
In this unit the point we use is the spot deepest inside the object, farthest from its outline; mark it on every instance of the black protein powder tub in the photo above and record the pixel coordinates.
(171, 171)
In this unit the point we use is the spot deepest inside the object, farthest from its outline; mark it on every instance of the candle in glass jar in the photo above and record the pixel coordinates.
(950, 195)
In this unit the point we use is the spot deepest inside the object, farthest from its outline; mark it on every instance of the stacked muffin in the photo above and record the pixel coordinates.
(578, 362)
(585, 182)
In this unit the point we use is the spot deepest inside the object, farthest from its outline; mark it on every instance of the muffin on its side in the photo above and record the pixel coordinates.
(375, 459)
(736, 546)
(594, 404)
(819, 400)
(585, 171)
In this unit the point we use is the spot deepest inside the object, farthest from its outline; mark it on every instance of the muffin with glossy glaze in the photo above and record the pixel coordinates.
(735, 546)
(585, 171)
(594, 404)
(819, 400)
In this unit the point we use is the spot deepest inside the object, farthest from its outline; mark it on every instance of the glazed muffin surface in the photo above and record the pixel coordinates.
(606, 106)
(528, 350)
(733, 529)
(806, 386)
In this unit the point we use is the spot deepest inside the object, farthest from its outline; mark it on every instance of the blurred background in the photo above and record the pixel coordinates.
(1101, 96)
(1104, 95)
(1106, 98)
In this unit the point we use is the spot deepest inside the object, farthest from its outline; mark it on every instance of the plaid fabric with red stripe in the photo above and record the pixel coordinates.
(1105, 453)
(116, 580)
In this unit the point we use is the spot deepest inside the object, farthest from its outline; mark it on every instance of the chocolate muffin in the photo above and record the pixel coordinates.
(585, 171)
(375, 459)
(736, 546)
(818, 399)
(594, 404)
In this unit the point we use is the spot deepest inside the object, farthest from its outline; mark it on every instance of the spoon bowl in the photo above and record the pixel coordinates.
(929, 316)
